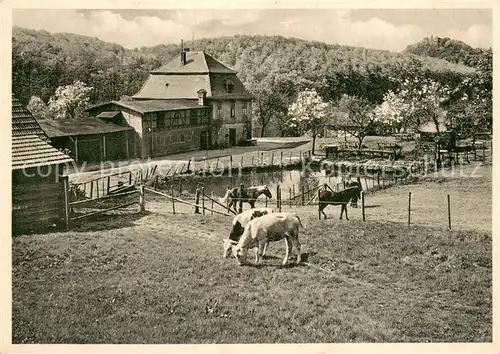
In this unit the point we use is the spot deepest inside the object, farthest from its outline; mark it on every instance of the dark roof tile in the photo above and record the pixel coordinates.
(30, 144)
(83, 126)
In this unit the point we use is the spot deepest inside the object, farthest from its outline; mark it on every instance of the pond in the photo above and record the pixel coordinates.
(288, 180)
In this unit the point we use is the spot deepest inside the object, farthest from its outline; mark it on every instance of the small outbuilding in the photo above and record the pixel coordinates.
(91, 139)
(37, 189)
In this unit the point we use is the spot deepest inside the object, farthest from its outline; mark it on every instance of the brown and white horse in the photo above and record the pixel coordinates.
(249, 196)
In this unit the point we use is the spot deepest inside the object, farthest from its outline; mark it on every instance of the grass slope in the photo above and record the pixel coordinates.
(160, 278)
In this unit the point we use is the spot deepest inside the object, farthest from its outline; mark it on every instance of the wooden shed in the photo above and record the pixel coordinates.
(91, 139)
(37, 188)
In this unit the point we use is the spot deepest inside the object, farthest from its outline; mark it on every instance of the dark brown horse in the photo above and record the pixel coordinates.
(249, 196)
(327, 197)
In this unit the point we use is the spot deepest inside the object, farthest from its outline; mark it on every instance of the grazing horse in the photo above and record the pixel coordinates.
(250, 195)
(339, 198)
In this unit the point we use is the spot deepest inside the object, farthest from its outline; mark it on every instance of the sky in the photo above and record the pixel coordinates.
(376, 29)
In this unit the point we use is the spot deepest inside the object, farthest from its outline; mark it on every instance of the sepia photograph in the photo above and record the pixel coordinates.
(241, 176)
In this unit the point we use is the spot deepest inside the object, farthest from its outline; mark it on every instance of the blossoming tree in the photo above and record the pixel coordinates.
(308, 114)
(70, 101)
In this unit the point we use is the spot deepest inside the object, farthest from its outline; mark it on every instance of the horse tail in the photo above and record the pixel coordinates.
(223, 200)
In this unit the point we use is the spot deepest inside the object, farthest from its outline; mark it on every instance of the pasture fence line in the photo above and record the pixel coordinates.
(88, 207)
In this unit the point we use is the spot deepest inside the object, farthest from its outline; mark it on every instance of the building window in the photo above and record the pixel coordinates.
(244, 108)
(233, 105)
(229, 86)
(218, 109)
(182, 138)
(174, 139)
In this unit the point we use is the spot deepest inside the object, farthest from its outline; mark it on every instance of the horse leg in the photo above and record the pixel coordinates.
(341, 211)
(288, 247)
(345, 208)
(296, 245)
(321, 209)
(265, 249)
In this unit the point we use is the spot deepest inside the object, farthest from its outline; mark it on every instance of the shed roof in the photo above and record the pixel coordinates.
(30, 144)
(147, 106)
(108, 114)
(31, 151)
(23, 122)
(85, 126)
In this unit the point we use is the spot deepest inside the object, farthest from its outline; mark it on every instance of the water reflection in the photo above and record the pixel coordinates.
(289, 180)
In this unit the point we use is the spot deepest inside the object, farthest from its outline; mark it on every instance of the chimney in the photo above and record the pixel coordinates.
(183, 54)
(201, 97)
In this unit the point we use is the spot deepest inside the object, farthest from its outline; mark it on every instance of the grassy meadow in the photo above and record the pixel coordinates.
(161, 278)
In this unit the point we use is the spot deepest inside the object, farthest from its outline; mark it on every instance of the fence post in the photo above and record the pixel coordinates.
(180, 187)
(266, 201)
(230, 164)
(378, 179)
(142, 202)
(216, 164)
(302, 196)
(66, 201)
(290, 160)
(363, 204)
(97, 189)
(107, 187)
(290, 198)
(212, 198)
(197, 201)
(203, 199)
(409, 208)
(173, 200)
(261, 159)
(278, 197)
(281, 158)
(189, 164)
(319, 205)
(130, 178)
(240, 207)
(272, 158)
(91, 189)
(449, 213)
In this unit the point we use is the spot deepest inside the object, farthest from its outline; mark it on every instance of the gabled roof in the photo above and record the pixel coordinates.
(83, 126)
(148, 106)
(30, 144)
(196, 62)
(174, 86)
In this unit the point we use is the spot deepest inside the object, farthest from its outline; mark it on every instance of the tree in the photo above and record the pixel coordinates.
(38, 108)
(393, 112)
(473, 111)
(308, 114)
(419, 100)
(359, 114)
(272, 102)
(69, 102)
